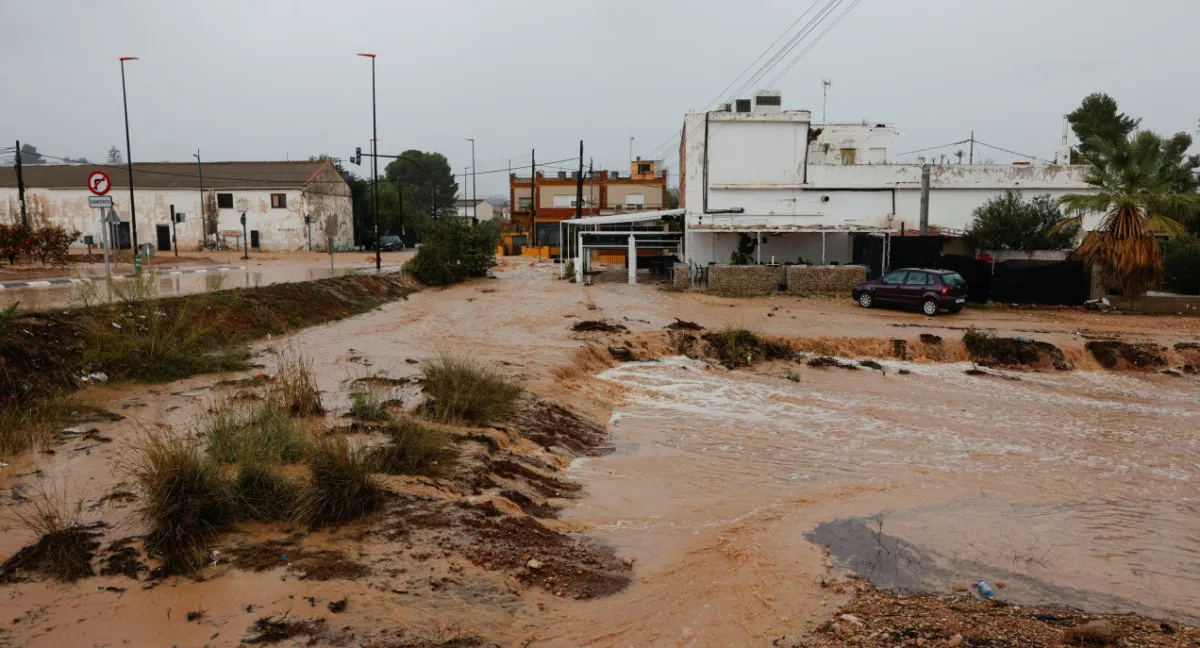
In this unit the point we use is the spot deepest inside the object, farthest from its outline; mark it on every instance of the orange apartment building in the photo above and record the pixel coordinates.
(605, 192)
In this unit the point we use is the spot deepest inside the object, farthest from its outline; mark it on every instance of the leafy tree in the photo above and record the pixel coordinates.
(114, 155)
(30, 155)
(1097, 118)
(53, 243)
(671, 199)
(1008, 222)
(1135, 195)
(15, 240)
(453, 250)
(423, 175)
(1181, 265)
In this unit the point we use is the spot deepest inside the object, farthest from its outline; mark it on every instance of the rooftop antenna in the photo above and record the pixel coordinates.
(825, 85)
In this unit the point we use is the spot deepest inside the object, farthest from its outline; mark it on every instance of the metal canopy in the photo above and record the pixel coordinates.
(634, 217)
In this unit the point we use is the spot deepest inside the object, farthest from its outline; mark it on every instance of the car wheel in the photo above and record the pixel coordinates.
(929, 307)
(865, 300)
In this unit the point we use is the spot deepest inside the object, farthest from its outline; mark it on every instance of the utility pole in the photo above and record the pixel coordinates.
(174, 232)
(375, 160)
(533, 197)
(129, 166)
(21, 188)
(400, 199)
(630, 152)
(579, 185)
(971, 159)
(203, 211)
(474, 196)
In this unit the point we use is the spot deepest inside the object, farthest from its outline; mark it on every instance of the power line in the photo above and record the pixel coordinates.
(934, 147)
(791, 44)
(1032, 157)
(814, 43)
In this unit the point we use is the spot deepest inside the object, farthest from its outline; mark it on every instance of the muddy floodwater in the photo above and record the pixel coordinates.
(1072, 488)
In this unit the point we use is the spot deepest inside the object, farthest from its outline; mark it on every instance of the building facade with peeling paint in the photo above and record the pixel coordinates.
(285, 203)
(825, 194)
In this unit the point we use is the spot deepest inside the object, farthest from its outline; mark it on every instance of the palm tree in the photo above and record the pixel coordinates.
(1135, 197)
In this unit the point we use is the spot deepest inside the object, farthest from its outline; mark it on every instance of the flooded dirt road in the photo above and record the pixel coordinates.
(1077, 488)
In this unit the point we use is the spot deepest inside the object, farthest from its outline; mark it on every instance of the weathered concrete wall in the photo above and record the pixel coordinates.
(808, 280)
(745, 279)
(1162, 304)
(872, 143)
(278, 228)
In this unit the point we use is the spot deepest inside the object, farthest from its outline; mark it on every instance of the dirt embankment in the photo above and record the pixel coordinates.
(47, 354)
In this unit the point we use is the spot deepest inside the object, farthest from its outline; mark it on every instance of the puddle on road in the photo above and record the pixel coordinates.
(1049, 483)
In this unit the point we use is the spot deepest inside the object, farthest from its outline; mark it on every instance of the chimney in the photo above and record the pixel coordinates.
(1064, 152)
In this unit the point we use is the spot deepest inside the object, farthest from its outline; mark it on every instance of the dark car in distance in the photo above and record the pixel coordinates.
(390, 243)
(928, 290)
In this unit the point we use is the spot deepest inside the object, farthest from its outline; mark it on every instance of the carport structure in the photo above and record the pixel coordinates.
(580, 236)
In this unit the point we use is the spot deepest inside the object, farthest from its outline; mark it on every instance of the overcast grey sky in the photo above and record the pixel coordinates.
(256, 80)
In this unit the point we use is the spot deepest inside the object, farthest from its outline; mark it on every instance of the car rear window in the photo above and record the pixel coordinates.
(953, 280)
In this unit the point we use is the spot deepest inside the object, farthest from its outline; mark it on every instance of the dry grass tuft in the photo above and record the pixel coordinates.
(341, 487)
(64, 547)
(261, 492)
(415, 449)
(186, 501)
(295, 386)
(468, 390)
(260, 433)
(737, 347)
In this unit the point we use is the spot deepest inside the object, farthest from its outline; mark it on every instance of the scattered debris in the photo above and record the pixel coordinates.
(871, 364)
(337, 607)
(620, 353)
(598, 326)
(684, 325)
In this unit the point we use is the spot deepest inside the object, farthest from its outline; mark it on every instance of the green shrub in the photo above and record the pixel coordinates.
(341, 486)
(467, 389)
(185, 500)
(415, 449)
(366, 404)
(262, 433)
(738, 347)
(452, 251)
(1181, 266)
(261, 492)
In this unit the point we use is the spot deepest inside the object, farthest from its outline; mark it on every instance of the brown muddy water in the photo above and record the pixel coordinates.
(724, 487)
(1075, 489)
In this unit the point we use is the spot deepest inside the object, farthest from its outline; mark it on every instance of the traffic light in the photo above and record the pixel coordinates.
(357, 157)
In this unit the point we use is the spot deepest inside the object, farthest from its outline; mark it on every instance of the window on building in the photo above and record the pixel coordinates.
(178, 217)
(225, 201)
(635, 201)
(563, 201)
(849, 155)
(278, 201)
(524, 204)
(643, 168)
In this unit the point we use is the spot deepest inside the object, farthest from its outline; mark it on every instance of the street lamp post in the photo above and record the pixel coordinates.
(137, 259)
(474, 196)
(375, 161)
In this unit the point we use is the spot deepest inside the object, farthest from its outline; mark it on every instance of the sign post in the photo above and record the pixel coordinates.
(108, 224)
(245, 246)
(99, 183)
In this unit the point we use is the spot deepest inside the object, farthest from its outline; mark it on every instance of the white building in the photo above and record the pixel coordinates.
(481, 209)
(825, 194)
(283, 202)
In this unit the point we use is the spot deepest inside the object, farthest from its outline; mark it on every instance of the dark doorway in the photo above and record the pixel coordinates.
(124, 238)
(164, 237)
(868, 251)
(518, 244)
(254, 239)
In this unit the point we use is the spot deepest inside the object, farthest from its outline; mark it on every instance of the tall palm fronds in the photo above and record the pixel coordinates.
(1136, 198)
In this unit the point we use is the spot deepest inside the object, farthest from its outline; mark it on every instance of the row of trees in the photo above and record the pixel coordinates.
(1146, 190)
(49, 244)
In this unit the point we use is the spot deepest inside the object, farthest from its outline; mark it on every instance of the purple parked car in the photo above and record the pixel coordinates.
(928, 290)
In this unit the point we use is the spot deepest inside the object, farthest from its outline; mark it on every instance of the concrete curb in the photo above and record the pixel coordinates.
(74, 280)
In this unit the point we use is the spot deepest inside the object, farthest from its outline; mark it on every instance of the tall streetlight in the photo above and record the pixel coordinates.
(474, 196)
(203, 215)
(374, 162)
(137, 259)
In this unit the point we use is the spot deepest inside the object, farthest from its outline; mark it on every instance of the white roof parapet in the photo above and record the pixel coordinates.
(636, 217)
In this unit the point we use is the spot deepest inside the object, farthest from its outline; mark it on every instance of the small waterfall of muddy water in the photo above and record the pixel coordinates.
(1072, 488)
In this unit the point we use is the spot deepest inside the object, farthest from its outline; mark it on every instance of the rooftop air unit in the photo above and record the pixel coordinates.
(768, 101)
(743, 105)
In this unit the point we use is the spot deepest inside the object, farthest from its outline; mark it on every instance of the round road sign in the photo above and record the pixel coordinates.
(99, 183)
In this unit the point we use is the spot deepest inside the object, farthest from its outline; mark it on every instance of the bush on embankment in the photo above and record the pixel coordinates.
(44, 355)
(453, 250)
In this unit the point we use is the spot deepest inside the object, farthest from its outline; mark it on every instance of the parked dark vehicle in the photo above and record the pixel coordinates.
(390, 243)
(928, 290)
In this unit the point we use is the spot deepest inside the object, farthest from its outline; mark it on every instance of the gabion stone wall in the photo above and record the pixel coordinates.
(745, 279)
(807, 280)
(681, 278)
